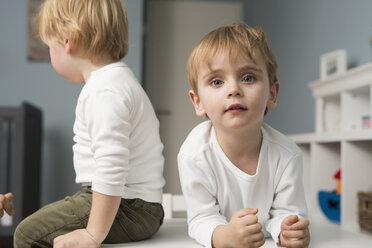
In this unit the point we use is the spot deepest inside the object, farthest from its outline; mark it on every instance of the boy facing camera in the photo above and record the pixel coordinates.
(242, 179)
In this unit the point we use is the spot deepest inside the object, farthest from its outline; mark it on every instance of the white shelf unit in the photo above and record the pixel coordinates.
(341, 140)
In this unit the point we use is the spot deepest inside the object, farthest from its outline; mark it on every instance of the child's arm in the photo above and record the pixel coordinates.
(6, 204)
(243, 230)
(103, 212)
(294, 232)
(199, 189)
(102, 215)
(289, 197)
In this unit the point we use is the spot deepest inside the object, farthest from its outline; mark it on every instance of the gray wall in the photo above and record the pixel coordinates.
(37, 82)
(299, 32)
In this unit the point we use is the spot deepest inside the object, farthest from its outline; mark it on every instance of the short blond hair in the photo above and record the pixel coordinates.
(237, 39)
(97, 27)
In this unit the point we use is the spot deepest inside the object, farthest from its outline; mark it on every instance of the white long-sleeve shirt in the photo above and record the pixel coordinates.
(117, 146)
(214, 188)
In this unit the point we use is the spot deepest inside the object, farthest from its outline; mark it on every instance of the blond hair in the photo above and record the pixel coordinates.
(237, 39)
(97, 27)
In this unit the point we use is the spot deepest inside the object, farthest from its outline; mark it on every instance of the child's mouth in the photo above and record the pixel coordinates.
(235, 108)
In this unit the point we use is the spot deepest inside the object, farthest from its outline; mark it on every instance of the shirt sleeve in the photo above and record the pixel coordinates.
(199, 190)
(289, 198)
(108, 122)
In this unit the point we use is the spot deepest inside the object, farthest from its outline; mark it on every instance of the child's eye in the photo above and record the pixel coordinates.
(216, 83)
(248, 78)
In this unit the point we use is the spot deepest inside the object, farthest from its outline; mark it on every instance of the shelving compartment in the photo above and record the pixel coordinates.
(330, 113)
(356, 176)
(356, 109)
(325, 161)
(305, 148)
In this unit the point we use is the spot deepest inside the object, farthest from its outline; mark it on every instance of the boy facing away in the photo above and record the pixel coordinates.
(242, 180)
(117, 152)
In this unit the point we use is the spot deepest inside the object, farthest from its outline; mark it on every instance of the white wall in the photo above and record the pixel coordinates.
(37, 82)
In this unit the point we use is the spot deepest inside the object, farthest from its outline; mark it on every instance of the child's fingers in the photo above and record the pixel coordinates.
(288, 222)
(254, 228)
(2, 200)
(7, 203)
(256, 237)
(251, 210)
(258, 243)
(245, 211)
(300, 238)
(9, 196)
(9, 209)
(301, 224)
(249, 219)
(296, 243)
(297, 234)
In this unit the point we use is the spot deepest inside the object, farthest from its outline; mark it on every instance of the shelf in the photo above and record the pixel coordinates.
(306, 153)
(354, 78)
(307, 138)
(302, 138)
(325, 162)
(356, 176)
(343, 102)
(355, 105)
(342, 140)
(331, 113)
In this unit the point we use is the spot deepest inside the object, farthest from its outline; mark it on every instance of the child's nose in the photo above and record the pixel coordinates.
(234, 89)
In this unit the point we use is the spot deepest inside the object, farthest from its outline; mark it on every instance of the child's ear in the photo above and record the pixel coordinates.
(67, 44)
(199, 110)
(66, 40)
(273, 97)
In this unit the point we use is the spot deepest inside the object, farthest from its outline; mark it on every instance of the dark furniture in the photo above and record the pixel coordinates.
(20, 162)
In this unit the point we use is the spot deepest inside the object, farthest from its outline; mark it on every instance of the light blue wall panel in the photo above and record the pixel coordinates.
(299, 32)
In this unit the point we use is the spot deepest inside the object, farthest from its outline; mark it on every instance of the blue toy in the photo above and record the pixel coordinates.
(330, 203)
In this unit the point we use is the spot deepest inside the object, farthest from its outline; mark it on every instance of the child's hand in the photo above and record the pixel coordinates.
(6, 204)
(294, 232)
(77, 239)
(243, 230)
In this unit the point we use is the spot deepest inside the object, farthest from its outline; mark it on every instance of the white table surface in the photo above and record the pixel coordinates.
(173, 233)
(325, 234)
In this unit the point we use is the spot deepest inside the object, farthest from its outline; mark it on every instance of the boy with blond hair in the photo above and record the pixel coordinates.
(242, 180)
(117, 152)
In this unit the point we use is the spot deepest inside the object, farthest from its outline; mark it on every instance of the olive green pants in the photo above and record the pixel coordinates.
(135, 220)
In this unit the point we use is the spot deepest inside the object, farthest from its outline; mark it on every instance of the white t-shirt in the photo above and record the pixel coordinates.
(214, 188)
(117, 144)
